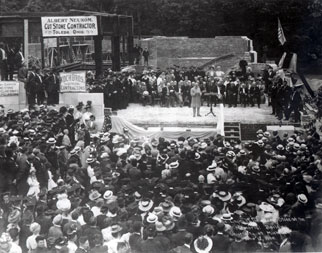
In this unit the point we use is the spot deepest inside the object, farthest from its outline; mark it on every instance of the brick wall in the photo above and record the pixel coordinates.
(184, 51)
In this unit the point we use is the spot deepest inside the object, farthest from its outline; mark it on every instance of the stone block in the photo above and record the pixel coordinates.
(179, 48)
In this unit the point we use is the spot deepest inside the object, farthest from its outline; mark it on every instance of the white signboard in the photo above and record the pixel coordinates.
(73, 81)
(69, 26)
(9, 88)
(50, 42)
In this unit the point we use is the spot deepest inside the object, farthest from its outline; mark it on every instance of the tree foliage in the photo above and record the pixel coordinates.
(257, 19)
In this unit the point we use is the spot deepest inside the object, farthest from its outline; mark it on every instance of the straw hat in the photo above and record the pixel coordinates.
(145, 205)
(175, 212)
(203, 244)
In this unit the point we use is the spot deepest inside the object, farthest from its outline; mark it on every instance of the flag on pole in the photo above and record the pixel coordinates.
(281, 62)
(293, 64)
(280, 33)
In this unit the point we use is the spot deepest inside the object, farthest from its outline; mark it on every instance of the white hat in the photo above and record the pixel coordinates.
(175, 212)
(223, 195)
(284, 230)
(213, 166)
(104, 155)
(152, 218)
(226, 217)
(264, 206)
(108, 194)
(199, 242)
(63, 202)
(51, 141)
(208, 209)
(174, 165)
(57, 219)
(145, 205)
(203, 145)
(34, 227)
(160, 227)
(302, 198)
(121, 152)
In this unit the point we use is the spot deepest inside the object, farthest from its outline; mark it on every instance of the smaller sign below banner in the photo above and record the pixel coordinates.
(9, 88)
(69, 26)
(50, 42)
(73, 81)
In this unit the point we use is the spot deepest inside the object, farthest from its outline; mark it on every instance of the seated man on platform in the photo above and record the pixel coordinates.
(243, 94)
(202, 85)
(165, 95)
(144, 94)
(172, 94)
(186, 86)
(211, 88)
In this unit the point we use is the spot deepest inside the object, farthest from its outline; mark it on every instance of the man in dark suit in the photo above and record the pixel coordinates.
(186, 247)
(221, 242)
(243, 94)
(83, 245)
(18, 57)
(34, 87)
(232, 92)
(51, 83)
(296, 101)
(150, 245)
(10, 61)
(23, 173)
(160, 239)
(135, 238)
(41, 172)
(254, 94)
(257, 94)
(211, 88)
(146, 56)
(273, 93)
(3, 63)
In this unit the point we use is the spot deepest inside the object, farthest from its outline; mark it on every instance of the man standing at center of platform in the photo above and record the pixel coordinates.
(195, 92)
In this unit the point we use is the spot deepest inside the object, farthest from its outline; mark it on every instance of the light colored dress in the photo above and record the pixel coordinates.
(195, 93)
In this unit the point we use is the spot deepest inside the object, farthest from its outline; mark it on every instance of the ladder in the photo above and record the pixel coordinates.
(72, 51)
(232, 131)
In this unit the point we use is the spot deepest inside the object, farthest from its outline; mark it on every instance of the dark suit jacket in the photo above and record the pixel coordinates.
(296, 99)
(177, 239)
(221, 243)
(135, 242)
(181, 249)
(150, 245)
(163, 243)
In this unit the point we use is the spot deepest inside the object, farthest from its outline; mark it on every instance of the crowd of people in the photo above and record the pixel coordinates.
(168, 88)
(11, 59)
(174, 87)
(67, 187)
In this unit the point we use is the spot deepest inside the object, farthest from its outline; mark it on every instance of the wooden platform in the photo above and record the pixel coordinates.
(156, 116)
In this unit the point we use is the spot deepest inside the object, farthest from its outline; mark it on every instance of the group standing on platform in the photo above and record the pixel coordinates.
(170, 87)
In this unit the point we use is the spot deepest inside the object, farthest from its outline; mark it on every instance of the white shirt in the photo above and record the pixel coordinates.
(72, 247)
(31, 243)
(90, 171)
(3, 53)
(96, 211)
(22, 57)
(220, 73)
(15, 248)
